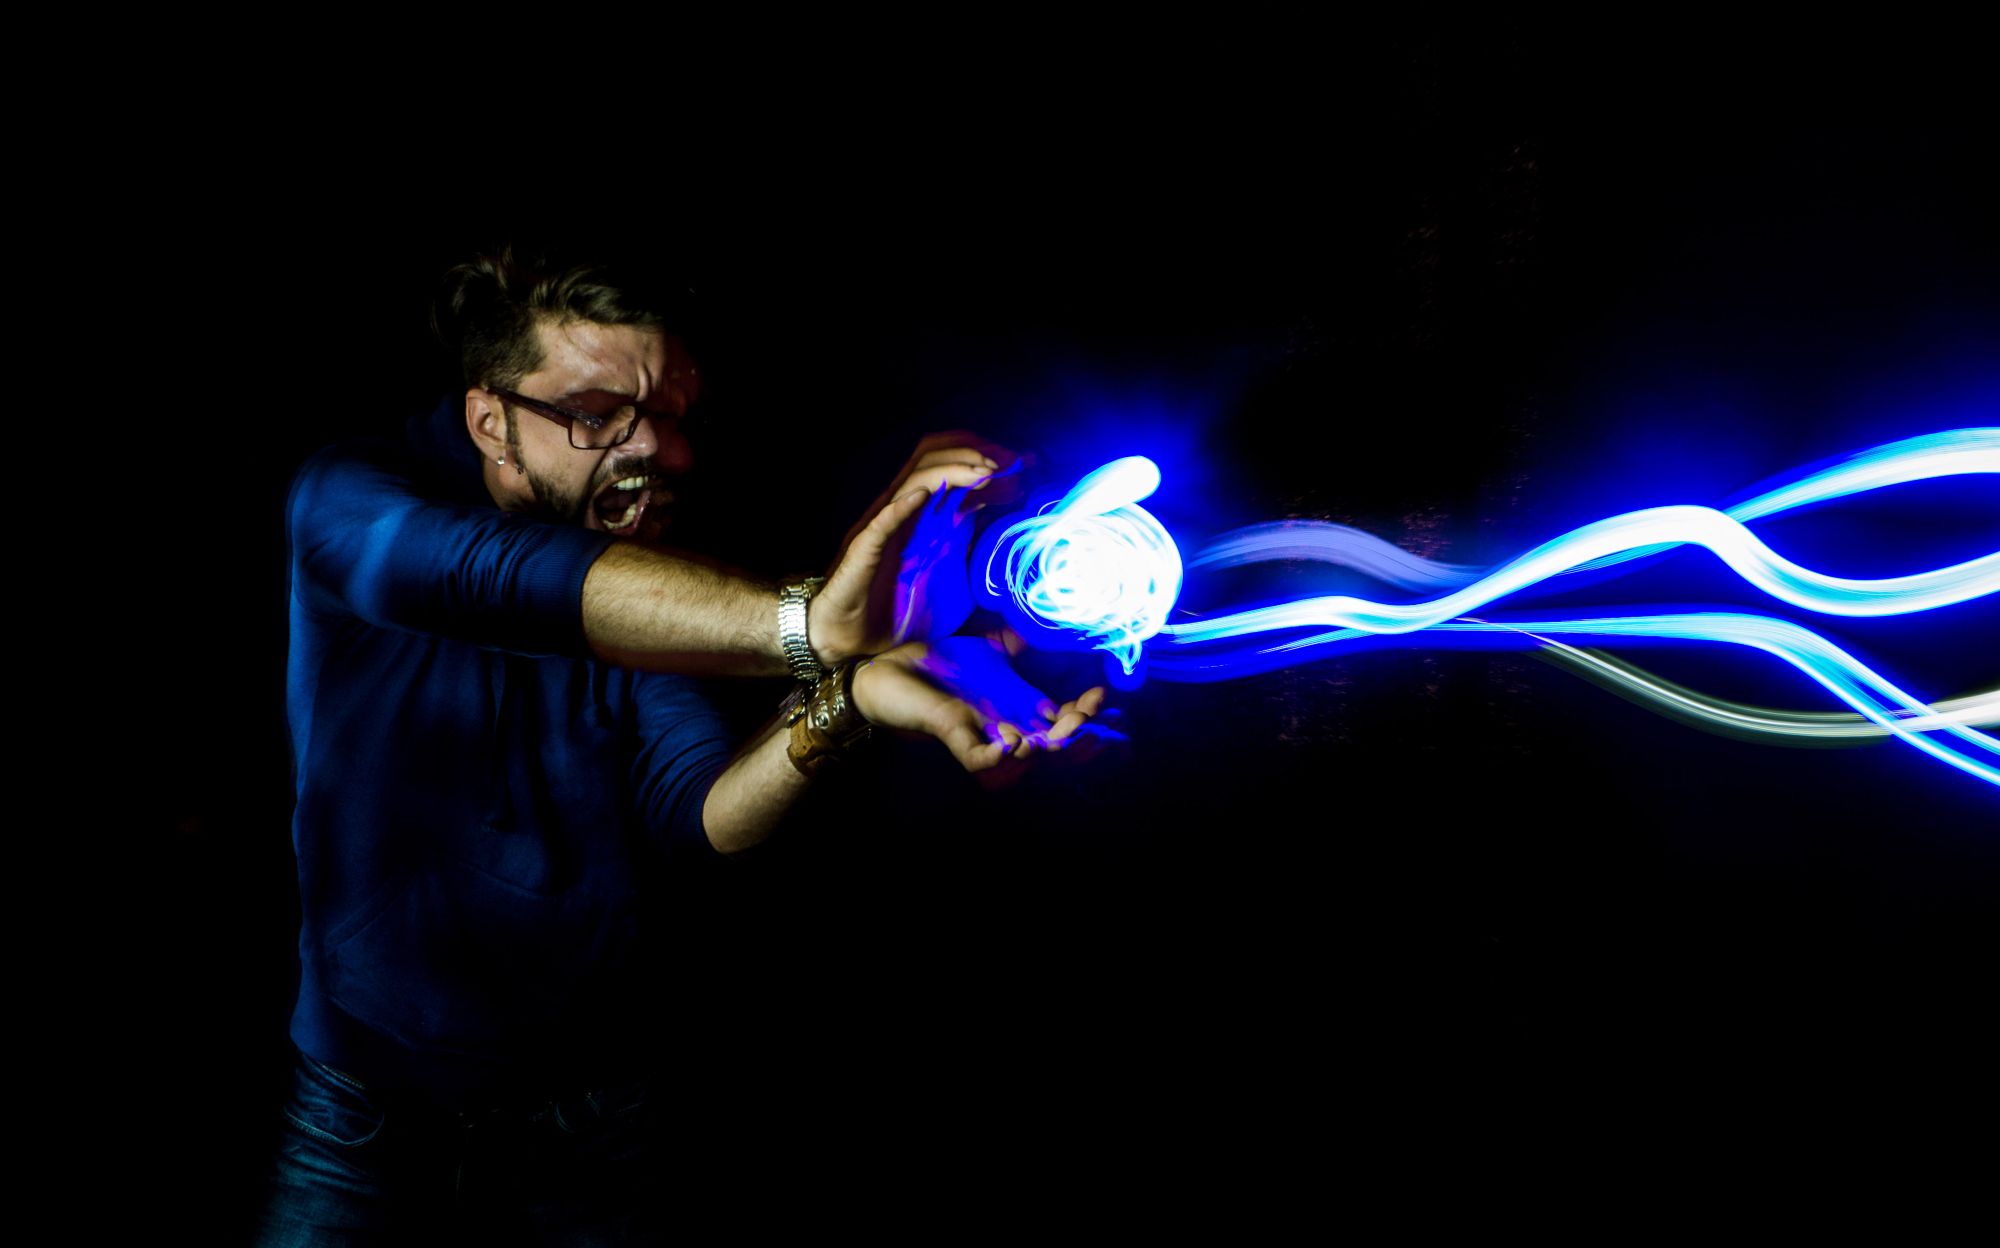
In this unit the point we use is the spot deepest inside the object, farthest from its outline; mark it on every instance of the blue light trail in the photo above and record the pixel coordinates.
(1097, 566)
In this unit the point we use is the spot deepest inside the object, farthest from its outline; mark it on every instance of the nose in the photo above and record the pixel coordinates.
(661, 441)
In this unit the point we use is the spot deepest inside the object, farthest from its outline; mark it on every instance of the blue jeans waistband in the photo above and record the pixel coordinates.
(513, 1104)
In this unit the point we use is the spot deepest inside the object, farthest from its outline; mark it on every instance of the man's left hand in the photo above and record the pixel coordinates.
(962, 691)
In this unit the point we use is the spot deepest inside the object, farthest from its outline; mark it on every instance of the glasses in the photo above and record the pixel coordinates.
(589, 432)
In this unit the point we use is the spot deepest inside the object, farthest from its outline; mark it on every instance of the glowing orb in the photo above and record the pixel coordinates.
(1094, 563)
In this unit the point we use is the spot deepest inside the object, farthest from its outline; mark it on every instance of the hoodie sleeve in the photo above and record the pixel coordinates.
(683, 747)
(365, 543)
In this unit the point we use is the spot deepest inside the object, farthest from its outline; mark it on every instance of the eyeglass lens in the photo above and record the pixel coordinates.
(616, 428)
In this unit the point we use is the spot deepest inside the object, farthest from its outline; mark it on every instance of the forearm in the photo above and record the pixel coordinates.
(749, 799)
(649, 609)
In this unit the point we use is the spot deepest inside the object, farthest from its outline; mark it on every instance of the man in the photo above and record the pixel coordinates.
(498, 755)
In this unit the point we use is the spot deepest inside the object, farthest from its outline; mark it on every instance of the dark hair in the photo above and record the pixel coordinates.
(487, 308)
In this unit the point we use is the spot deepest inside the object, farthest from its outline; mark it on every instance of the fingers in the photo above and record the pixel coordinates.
(1007, 747)
(1007, 640)
(962, 440)
(1076, 749)
(1088, 743)
(957, 448)
(969, 745)
(962, 459)
(994, 491)
(955, 455)
(947, 466)
(977, 744)
(861, 557)
(1006, 750)
(1027, 745)
(1073, 715)
(982, 743)
(1068, 722)
(891, 518)
(940, 476)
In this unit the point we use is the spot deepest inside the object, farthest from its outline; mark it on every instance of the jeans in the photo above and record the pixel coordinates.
(355, 1166)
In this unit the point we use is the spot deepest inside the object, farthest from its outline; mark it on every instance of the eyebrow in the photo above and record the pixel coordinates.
(588, 390)
(616, 394)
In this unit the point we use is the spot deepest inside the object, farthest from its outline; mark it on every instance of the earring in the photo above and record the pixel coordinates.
(501, 460)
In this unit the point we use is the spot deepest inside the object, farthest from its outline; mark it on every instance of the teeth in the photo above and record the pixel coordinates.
(630, 483)
(631, 514)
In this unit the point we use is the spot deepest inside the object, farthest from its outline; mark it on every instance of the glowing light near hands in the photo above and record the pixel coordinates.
(1882, 703)
(1760, 722)
(1657, 528)
(1096, 564)
(1840, 672)
(1954, 452)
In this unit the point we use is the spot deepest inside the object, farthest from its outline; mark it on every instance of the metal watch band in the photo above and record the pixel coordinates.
(792, 640)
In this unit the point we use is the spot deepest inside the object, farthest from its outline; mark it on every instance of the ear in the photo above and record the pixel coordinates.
(486, 423)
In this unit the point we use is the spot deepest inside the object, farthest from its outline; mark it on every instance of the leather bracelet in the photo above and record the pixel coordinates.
(792, 639)
(826, 722)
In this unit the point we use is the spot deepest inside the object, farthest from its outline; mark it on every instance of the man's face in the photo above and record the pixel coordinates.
(624, 489)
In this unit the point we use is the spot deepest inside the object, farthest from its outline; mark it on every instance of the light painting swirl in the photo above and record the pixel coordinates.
(1094, 565)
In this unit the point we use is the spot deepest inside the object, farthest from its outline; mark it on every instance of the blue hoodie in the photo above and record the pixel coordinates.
(482, 806)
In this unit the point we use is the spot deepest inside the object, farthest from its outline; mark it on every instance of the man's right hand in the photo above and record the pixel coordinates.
(856, 611)
(839, 622)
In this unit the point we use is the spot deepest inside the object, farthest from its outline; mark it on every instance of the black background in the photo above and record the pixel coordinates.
(1461, 289)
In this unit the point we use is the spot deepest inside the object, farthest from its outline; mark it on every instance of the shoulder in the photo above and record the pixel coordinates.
(429, 459)
(373, 455)
(373, 451)
(368, 472)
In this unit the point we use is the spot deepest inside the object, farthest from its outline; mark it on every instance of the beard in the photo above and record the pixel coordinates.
(558, 505)
(552, 502)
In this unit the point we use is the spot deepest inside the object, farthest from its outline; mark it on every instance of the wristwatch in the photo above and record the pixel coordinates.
(826, 722)
(792, 639)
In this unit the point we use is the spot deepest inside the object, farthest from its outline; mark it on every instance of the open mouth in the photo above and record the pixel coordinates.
(622, 506)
